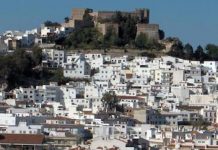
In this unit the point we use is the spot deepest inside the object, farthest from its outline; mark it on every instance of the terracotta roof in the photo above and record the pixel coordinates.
(129, 75)
(22, 138)
(88, 112)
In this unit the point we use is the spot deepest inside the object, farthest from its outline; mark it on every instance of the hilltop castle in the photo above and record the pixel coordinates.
(102, 20)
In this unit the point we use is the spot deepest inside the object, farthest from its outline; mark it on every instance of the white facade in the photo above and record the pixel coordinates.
(53, 58)
(95, 60)
(213, 65)
(7, 119)
(78, 69)
(23, 128)
(105, 73)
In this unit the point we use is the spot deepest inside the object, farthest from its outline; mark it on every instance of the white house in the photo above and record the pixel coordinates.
(53, 58)
(132, 101)
(7, 119)
(213, 65)
(95, 60)
(23, 128)
(105, 72)
(80, 68)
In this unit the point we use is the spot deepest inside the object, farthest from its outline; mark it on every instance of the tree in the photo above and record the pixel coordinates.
(87, 38)
(199, 54)
(109, 100)
(87, 19)
(117, 18)
(57, 75)
(188, 50)
(111, 37)
(37, 55)
(177, 48)
(212, 51)
(128, 29)
(51, 24)
(87, 135)
(66, 19)
(161, 34)
(141, 41)
(60, 41)
(8, 71)
(23, 62)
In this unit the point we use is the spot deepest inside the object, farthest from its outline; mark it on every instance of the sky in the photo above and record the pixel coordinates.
(193, 21)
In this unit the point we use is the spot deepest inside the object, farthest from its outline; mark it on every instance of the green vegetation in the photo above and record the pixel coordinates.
(66, 19)
(88, 37)
(210, 52)
(110, 101)
(51, 24)
(110, 39)
(23, 69)
(141, 41)
(127, 27)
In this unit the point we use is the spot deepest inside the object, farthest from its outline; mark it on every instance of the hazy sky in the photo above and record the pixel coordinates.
(193, 21)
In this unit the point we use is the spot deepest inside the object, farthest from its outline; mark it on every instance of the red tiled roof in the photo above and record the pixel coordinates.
(22, 138)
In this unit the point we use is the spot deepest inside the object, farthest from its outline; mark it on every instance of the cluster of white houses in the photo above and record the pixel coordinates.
(12, 40)
(169, 103)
